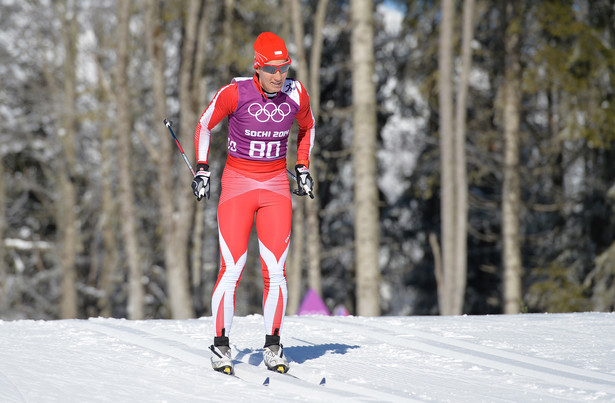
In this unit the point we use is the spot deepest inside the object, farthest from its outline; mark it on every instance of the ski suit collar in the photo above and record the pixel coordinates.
(257, 84)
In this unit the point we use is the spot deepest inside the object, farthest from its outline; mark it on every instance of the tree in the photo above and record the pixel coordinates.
(155, 46)
(67, 203)
(511, 190)
(446, 288)
(454, 205)
(366, 228)
(313, 207)
(461, 180)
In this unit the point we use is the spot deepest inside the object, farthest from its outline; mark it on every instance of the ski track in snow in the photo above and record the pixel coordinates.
(506, 358)
(183, 348)
(564, 375)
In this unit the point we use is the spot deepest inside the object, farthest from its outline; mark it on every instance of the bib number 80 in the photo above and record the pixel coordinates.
(264, 149)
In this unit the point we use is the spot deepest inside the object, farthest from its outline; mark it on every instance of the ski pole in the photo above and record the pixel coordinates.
(306, 188)
(168, 124)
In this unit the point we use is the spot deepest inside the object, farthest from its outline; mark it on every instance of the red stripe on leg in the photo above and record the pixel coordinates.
(220, 317)
(279, 311)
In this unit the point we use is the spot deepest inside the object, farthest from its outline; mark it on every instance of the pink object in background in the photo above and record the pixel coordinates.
(312, 304)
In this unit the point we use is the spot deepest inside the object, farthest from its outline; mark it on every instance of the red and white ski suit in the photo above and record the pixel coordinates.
(255, 184)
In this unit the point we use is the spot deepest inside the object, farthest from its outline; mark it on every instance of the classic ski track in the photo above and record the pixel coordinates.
(178, 349)
(548, 371)
(14, 388)
(345, 392)
(421, 386)
(352, 392)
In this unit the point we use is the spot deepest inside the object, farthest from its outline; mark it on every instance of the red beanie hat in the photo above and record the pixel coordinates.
(268, 46)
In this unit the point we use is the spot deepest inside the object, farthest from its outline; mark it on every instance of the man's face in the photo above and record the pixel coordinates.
(271, 76)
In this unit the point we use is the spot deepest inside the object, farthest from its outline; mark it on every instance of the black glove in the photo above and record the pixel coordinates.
(200, 183)
(305, 182)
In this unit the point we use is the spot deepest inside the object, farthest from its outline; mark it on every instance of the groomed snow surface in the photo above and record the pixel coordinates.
(518, 358)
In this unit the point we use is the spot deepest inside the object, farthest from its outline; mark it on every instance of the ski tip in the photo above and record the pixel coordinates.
(323, 382)
(266, 383)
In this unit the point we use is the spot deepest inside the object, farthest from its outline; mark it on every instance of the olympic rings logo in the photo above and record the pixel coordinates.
(269, 111)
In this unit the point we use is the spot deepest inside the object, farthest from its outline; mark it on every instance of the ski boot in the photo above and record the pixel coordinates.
(221, 356)
(273, 355)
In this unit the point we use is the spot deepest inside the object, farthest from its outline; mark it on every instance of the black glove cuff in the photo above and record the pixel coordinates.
(202, 167)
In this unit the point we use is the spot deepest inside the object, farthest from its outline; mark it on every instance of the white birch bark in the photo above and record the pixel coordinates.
(364, 157)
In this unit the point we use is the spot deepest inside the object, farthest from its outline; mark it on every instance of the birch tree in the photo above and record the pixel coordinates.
(461, 179)
(366, 228)
(451, 273)
(446, 289)
(511, 189)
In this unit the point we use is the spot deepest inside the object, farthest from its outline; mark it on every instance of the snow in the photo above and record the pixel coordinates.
(508, 358)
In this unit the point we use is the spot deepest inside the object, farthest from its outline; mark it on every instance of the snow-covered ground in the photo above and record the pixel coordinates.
(520, 358)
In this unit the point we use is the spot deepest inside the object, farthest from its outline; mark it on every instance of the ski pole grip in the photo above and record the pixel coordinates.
(307, 190)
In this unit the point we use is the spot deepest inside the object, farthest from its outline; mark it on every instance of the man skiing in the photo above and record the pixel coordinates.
(260, 110)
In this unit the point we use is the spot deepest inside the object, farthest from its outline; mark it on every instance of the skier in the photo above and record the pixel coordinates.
(260, 110)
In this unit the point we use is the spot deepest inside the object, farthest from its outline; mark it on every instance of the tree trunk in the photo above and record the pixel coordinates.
(228, 51)
(364, 156)
(109, 273)
(461, 181)
(511, 192)
(136, 292)
(155, 48)
(316, 57)
(295, 259)
(312, 207)
(297, 256)
(454, 200)
(447, 155)
(67, 203)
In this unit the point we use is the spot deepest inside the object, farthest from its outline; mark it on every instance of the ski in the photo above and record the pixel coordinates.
(323, 381)
(249, 381)
(267, 381)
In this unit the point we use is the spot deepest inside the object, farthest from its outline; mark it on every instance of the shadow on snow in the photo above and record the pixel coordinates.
(298, 354)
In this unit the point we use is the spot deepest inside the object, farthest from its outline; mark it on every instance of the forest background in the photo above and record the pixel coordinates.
(97, 217)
